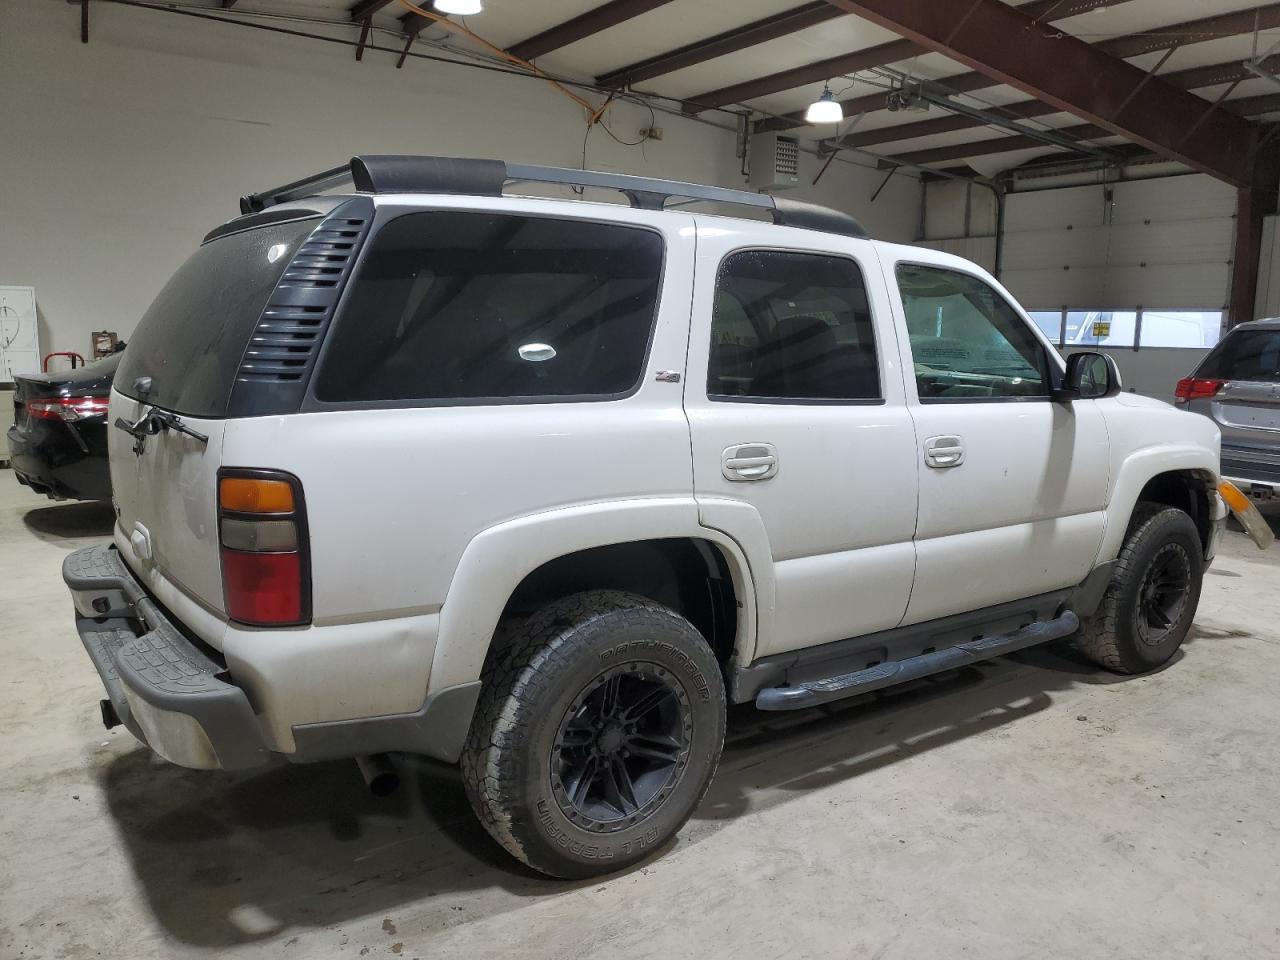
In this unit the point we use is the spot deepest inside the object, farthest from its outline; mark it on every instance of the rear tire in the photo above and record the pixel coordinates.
(1152, 598)
(599, 726)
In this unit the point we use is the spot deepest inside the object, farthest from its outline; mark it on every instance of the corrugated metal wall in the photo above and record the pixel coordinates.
(1160, 244)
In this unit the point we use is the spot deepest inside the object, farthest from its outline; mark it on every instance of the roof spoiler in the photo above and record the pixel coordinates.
(488, 178)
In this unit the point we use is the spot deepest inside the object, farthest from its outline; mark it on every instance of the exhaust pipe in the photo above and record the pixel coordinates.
(379, 774)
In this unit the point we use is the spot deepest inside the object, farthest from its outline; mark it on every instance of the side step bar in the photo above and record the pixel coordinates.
(815, 692)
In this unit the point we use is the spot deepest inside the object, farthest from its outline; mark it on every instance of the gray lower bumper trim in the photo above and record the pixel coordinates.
(169, 693)
(438, 729)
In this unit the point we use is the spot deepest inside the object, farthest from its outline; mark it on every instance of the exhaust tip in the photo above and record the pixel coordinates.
(379, 774)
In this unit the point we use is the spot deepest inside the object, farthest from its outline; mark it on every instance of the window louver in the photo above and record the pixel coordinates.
(282, 351)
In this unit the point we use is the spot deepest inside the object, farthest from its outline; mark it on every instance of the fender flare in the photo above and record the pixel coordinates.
(500, 557)
(1134, 473)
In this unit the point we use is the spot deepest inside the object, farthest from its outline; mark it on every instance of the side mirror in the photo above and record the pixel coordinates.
(1089, 376)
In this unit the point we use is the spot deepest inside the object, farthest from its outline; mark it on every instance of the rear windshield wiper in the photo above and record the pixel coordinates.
(152, 423)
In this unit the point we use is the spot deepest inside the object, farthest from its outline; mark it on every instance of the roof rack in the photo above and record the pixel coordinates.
(487, 178)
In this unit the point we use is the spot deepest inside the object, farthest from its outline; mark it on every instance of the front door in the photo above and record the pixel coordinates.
(795, 400)
(1012, 484)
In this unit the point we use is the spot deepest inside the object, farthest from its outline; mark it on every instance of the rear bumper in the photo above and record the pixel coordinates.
(172, 694)
(177, 695)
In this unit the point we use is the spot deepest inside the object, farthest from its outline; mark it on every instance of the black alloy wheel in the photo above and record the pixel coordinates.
(622, 747)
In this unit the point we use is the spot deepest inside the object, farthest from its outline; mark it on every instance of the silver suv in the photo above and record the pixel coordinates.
(1237, 386)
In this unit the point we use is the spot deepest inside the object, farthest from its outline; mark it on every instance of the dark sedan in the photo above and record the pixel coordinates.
(58, 443)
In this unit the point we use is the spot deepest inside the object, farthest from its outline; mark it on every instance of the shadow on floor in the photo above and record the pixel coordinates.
(70, 521)
(233, 858)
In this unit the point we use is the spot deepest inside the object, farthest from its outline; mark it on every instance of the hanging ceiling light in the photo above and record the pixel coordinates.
(825, 109)
(461, 8)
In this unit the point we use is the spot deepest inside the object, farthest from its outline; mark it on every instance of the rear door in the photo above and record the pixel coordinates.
(795, 403)
(183, 358)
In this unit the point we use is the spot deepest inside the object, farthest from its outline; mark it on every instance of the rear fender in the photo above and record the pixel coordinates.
(498, 559)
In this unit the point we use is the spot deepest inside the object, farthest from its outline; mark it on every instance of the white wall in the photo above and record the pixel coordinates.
(121, 154)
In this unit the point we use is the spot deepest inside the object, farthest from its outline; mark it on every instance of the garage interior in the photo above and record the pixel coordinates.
(1118, 174)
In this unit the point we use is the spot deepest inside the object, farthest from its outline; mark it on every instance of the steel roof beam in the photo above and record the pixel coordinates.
(1190, 79)
(1178, 34)
(1009, 47)
(589, 23)
(876, 56)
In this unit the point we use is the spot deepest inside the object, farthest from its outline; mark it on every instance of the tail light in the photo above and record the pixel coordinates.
(1197, 388)
(70, 409)
(262, 531)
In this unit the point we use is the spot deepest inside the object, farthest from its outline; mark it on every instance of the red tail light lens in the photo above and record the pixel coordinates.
(266, 575)
(1196, 388)
(262, 589)
(67, 408)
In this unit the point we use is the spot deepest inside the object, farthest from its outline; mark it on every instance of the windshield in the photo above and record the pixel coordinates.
(192, 338)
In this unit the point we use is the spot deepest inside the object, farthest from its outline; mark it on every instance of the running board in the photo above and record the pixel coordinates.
(815, 692)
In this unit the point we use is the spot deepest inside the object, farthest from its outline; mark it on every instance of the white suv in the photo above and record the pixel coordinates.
(538, 486)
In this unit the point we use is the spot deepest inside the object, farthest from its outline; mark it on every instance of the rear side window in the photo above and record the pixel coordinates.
(1244, 355)
(461, 306)
(191, 340)
(791, 326)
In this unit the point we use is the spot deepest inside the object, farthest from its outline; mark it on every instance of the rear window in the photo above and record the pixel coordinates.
(1244, 355)
(461, 306)
(192, 338)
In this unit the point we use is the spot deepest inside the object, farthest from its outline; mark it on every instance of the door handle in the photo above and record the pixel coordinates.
(943, 452)
(749, 461)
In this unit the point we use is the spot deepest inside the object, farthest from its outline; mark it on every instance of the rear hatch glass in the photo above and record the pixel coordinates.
(191, 340)
(1247, 407)
(1245, 355)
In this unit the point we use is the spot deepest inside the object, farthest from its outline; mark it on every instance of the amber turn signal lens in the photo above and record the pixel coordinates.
(250, 495)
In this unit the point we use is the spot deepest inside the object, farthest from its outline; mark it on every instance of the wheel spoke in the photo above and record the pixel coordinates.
(645, 704)
(619, 790)
(1160, 618)
(577, 734)
(609, 702)
(578, 792)
(654, 747)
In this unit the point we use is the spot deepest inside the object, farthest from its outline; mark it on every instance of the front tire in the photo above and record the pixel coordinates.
(599, 726)
(1152, 598)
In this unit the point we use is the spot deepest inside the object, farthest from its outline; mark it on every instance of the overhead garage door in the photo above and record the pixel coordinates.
(1159, 244)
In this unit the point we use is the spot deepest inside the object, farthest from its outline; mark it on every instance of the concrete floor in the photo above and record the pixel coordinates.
(1031, 807)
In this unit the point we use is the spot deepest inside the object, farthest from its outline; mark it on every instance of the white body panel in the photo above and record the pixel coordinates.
(1022, 514)
(844, 567)
(423, 520)
(167, 508)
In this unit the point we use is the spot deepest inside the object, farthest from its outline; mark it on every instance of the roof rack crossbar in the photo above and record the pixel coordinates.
(475, 177)
(306, 187)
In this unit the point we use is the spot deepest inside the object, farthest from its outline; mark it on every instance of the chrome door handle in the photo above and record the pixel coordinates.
(749, 461)
(942, 452)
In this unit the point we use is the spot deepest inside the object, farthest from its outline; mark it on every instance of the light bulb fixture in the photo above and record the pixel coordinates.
(461, 8)
(825, 109)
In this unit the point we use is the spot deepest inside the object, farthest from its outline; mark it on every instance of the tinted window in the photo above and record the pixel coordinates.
(966, 341)
(1245, 355)
(192, 338)
(456, 305)
(791, 326)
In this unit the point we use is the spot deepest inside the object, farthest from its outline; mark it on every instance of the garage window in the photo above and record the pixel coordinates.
(456, 307)
(791, 327)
